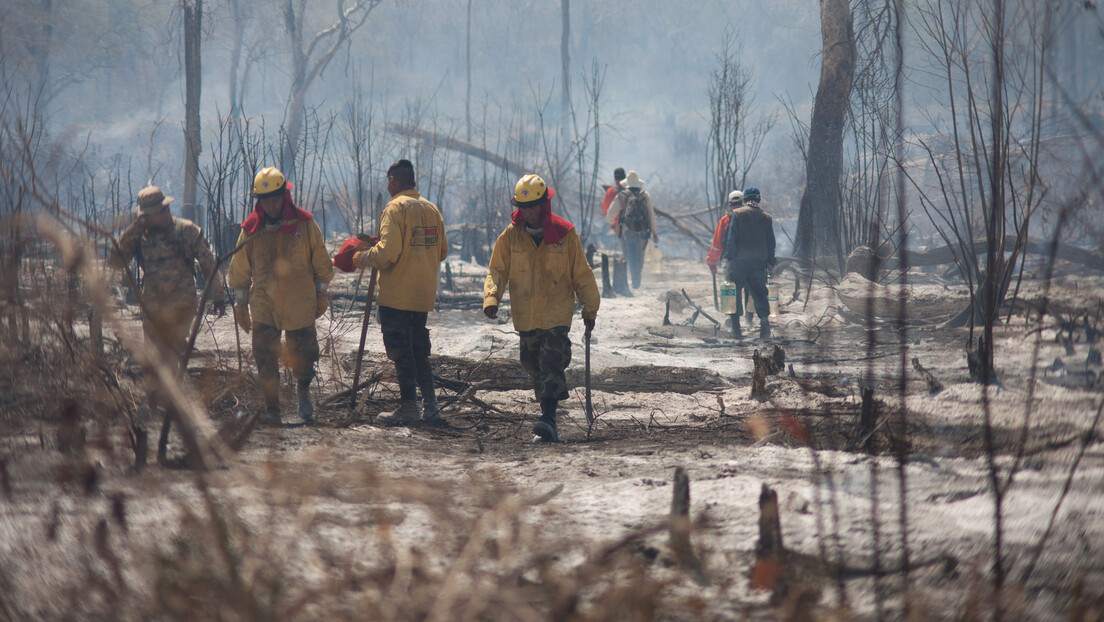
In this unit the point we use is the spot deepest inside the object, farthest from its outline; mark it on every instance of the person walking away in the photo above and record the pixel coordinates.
(614, 190)
(713, 257)
(280, 280)
(409, 253)
(166, 249)
(632, 217)
(540, 259)
(749, 251)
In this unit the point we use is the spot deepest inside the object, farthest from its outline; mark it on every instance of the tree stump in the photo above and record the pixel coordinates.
(471, 249)
(769, 551)
(763, 366)
(868, 418)
(621, 277)
(607, 285)
(680, 525)
(449, 285)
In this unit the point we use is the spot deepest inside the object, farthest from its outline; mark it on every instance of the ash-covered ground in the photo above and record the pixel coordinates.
(478, 504)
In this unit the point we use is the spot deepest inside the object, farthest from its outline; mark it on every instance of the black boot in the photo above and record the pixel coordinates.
(764, 328)
(545, 428)
(736, 326)
(306, 406)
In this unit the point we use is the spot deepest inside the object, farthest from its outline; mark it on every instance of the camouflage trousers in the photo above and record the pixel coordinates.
(406, 340)
(168, 327)
(545, 354)
(300, 353)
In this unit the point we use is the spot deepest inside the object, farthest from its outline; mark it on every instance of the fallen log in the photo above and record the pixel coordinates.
(683, 228)
(502, 374)
(449, 142)
(934, 386)
(699, 309)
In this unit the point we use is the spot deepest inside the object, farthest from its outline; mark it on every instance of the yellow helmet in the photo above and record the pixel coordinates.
(529, 189)
(268, 182)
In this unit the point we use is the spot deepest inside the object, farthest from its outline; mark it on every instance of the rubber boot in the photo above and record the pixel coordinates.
(306, 406)
(736, 333)
(545, 428)
(431, 412)
(270, 390)
(764, 328)
(406, 414)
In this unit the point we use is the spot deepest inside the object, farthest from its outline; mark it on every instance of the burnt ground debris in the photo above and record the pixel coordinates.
(802, 438)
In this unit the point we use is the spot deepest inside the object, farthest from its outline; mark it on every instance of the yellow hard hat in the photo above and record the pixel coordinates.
(529, 189)
(268, 182)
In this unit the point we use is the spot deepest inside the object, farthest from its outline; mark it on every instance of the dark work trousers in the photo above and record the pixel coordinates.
(406, 339)
(633, 245)
(545, 355)
(752, 276)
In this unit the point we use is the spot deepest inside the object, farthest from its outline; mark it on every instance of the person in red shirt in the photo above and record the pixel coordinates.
(611, 191)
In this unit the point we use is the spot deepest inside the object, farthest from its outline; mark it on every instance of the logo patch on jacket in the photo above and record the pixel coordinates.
(423, 236)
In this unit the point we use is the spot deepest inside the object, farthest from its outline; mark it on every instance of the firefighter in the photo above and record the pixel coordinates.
(713, 257)
(749, 252)
(409, 253)
(280, 280)
(540, 259)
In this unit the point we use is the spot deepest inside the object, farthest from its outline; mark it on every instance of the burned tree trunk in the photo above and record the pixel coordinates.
(818, 217)
(193, 32)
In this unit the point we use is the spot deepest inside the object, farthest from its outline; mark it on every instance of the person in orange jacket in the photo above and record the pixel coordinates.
(713, 257)
(611, 191)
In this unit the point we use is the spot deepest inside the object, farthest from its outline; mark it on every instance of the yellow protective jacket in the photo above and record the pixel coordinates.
(544, 282)
(409, 253)
(282, 269)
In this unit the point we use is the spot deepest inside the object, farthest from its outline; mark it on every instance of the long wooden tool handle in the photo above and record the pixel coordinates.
(589, 407)
(364, 329)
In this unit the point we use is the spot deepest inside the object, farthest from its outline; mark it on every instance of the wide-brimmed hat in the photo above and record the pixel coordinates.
(151, 200)
(632, 180)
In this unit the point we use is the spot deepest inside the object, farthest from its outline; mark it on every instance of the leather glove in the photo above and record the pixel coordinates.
(320, 305)
(491, 311)
(655, 238)
(360, 259)
(589, 324)
(219, 307)
(241, 316)
(366, 241)
(712, 269)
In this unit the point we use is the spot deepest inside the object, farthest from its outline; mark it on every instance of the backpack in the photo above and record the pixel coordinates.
(635, 215)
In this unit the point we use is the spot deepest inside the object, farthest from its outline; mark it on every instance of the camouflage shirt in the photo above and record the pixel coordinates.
(167, 257)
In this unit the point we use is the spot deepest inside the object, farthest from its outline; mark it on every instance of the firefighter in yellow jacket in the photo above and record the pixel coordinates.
(409, 253)
(539, 257)
(280, 282)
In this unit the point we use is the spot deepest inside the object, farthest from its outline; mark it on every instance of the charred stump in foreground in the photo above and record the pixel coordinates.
(794, 579)
(679, 530)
